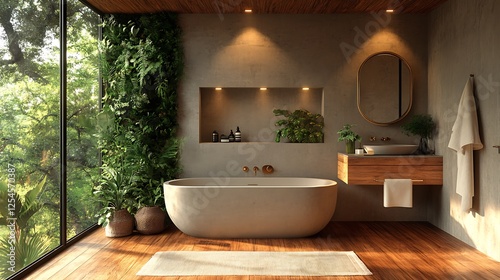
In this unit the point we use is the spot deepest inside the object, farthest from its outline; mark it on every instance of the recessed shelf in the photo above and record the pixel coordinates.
(251, 109)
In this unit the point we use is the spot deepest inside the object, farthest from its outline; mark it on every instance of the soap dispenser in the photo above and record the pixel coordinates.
(231, 136)
(215, 136)
(237, 135)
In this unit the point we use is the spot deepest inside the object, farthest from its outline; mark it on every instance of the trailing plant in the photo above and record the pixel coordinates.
(142, 65)
(299, 126)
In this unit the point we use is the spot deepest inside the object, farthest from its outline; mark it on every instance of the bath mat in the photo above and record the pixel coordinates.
(197, 263)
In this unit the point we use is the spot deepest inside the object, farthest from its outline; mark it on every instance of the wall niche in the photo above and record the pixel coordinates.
(251, 109)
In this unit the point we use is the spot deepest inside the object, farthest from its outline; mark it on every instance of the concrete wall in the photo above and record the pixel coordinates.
(320, 51)
(464, 38)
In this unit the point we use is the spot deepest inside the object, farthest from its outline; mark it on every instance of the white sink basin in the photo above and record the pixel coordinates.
(390, 149)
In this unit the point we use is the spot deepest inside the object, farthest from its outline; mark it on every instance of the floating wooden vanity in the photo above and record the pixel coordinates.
(373, 169)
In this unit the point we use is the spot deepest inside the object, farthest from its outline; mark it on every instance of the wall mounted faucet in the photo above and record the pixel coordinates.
(385, 139)
(255, 169)
(245, 168)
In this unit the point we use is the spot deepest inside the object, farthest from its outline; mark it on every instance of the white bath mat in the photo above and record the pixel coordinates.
(195, 263)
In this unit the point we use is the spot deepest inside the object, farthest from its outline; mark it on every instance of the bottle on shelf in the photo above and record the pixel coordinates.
(224, 138)
(231, 136)
(215, 136)
(237, 135)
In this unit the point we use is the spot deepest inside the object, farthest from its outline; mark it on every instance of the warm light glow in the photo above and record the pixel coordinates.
(218, 88)
(305, 88)
(389, 11)
(248, 11)
(263, 88)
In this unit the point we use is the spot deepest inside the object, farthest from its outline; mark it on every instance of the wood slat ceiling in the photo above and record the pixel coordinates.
(262, 6)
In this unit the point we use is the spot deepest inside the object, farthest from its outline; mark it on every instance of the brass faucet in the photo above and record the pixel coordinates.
(255, 169)
(245, 169)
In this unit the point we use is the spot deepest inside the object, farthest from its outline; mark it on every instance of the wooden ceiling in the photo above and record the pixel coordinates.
(261, 6)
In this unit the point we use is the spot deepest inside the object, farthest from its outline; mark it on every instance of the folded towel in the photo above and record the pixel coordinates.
(398, 193)
(464, 139)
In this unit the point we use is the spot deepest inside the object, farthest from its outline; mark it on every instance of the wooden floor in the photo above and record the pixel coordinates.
(391, 250)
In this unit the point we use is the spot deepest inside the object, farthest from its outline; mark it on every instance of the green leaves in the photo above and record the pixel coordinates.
(421, 125)
(142, 65)
(299, 126)
(346, 134)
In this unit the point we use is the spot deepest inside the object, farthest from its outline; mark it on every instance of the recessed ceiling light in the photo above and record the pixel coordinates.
(248, 11)
(389, 11)
(263, 88)
(305, 88)
(218, 88)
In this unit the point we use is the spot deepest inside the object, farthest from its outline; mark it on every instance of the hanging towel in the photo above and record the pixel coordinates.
(398, 193)
(464, 139)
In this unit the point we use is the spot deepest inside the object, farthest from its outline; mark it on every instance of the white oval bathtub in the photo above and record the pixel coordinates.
(250, 207)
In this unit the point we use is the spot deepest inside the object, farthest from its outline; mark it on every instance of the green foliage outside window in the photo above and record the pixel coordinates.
(30, 124)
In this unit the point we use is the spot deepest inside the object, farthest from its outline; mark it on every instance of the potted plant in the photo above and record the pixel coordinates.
(115, 195)
(299, 126)
(350, 137)
(150, 217)
(423, 126)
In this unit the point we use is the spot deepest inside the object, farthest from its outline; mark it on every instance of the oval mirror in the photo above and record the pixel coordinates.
(384, 88)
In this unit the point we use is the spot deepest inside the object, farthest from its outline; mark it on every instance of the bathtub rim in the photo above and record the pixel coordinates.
(213, 182)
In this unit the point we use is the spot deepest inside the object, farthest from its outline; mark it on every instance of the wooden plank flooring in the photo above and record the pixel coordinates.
(391, 250)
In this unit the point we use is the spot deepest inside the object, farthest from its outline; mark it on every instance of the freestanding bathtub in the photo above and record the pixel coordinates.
(250, 207)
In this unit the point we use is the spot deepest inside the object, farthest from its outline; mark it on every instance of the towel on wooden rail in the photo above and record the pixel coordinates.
(398, 193)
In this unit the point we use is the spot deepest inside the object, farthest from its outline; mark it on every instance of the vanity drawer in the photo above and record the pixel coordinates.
(373, 170)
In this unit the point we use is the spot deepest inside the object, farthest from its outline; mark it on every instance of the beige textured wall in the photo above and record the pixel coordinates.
(323, 51)
(464, 38)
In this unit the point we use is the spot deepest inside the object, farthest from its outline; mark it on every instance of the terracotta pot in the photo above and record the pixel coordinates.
(150, 220)
(121, 224)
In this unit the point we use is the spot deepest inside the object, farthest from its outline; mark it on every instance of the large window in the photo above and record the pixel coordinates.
(48, 155)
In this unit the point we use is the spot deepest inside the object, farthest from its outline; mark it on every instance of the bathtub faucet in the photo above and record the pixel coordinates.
(255, 169)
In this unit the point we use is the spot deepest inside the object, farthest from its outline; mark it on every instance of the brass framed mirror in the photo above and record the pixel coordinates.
(385, 88)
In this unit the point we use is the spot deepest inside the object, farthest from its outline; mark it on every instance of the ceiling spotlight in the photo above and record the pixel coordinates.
(389, 11)
(263, 88)
(248, 11)
(305, 88)
(218, 88)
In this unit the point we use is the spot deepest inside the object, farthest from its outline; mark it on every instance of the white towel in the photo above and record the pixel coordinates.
(398, 193)
(464, 139)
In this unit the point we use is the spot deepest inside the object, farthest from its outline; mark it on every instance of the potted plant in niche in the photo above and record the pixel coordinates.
(115, 195)
(423, 126)
(350, 137)
(299, 126)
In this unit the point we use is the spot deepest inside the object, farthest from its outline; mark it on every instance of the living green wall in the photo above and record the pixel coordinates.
(142, 65)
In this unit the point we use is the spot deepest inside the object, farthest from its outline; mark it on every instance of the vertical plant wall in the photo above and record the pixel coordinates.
(142, 66)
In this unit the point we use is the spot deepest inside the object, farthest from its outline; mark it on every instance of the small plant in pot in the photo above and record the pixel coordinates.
(423, 126)
(350, 137)
(115, 195)
(299, 126)
(150, 218)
